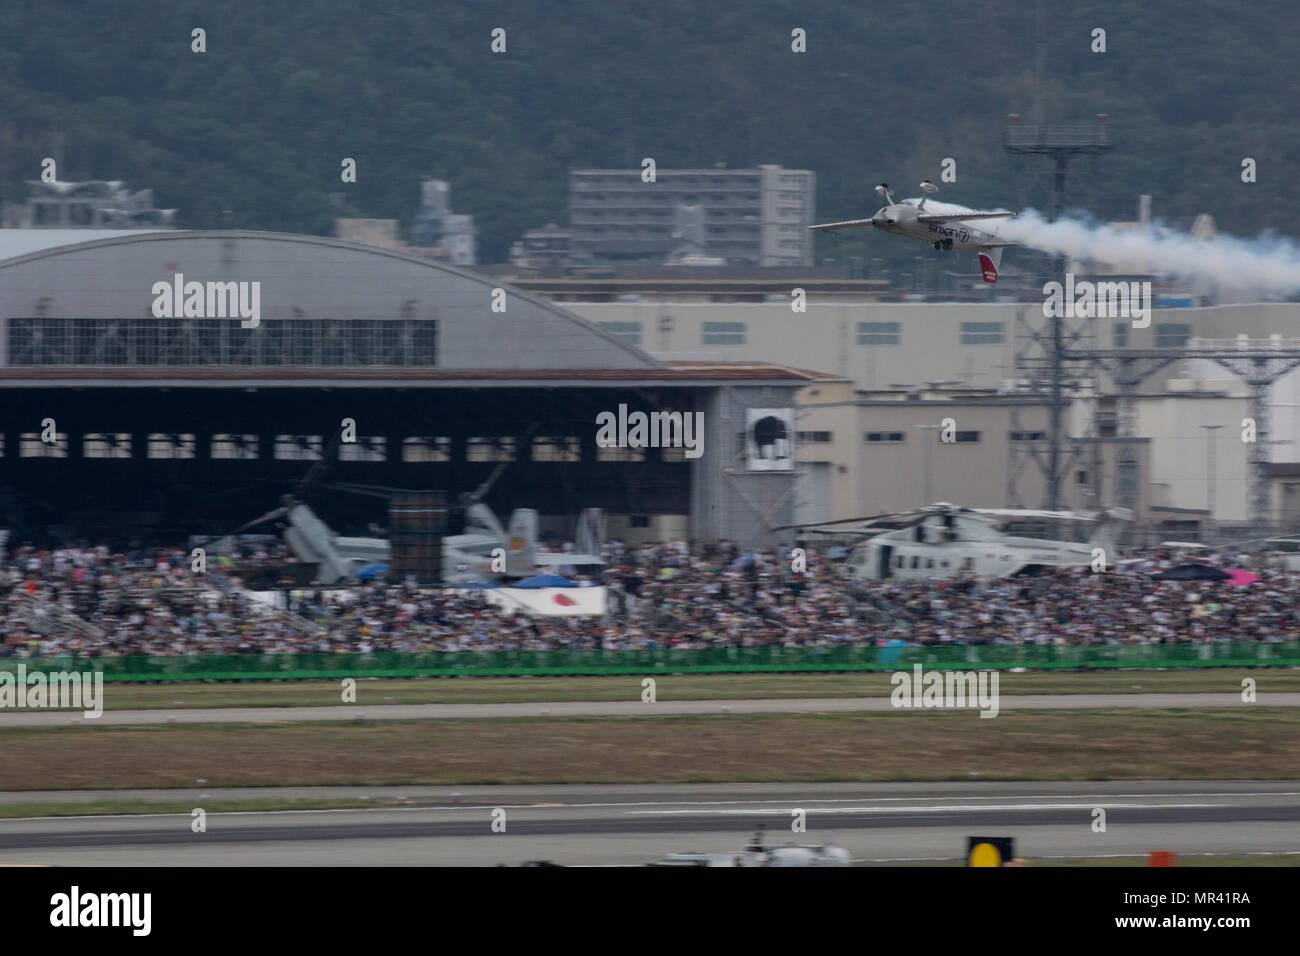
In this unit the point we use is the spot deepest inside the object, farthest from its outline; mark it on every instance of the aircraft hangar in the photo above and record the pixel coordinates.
(136, 402)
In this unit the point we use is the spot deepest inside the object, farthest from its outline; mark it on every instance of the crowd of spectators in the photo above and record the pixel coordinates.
(92, 601)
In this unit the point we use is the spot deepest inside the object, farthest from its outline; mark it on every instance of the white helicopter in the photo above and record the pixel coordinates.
(942, 225)
(943, 540)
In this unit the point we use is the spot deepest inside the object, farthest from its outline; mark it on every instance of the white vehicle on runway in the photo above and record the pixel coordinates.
(755, 854)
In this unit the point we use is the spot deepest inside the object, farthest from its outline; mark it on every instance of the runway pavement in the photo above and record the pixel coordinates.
(635, 824)
(628, 708)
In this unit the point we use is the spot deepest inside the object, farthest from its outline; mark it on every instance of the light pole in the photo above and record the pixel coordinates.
(1209, 472)
(929, 480)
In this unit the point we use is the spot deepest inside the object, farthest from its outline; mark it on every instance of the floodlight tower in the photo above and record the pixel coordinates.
(1042, 343)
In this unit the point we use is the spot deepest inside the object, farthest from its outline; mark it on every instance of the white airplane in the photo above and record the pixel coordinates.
(943, 540)
(943, 225)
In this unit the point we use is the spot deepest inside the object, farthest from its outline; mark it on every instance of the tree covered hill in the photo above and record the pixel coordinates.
(259, 124)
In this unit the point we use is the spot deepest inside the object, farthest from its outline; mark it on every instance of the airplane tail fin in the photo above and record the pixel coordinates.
(590, 538)
(990, 261)
(521, 543)
(1108, 528)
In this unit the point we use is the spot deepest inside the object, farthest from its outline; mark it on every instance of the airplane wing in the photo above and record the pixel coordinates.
(557, 559)
(846, 224)
(961, 216)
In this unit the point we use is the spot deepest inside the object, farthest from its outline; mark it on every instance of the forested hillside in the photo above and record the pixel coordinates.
(259, 123)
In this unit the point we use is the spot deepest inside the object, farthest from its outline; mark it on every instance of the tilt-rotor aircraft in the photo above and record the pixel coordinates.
(942, 225)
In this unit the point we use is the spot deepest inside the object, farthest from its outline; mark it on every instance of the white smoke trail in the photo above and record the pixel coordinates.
(1265, 267)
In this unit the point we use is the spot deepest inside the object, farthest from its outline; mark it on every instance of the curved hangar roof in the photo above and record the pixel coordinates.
(307, 278)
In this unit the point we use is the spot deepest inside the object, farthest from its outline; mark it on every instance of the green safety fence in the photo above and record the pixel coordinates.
(733, 660)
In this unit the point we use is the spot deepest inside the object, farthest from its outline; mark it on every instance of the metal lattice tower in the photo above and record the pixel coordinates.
(1041, 344)
(1257, 362)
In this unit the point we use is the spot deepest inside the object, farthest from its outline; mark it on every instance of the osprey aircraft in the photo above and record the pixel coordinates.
(943, 540)
(943, 225)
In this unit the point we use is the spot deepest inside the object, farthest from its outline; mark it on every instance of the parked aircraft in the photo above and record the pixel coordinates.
(944, 540)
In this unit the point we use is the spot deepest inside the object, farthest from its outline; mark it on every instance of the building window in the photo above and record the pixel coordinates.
(170, 446)
(425, 449)
(615, 453)
(372, 449)
(820, 438)
(297, 447)
(557, 448)
(724, 333)
(106, 445)
(880, 333)
(981, 333)
(1172, 335)
(888, 437)
(1126, 478)
(31, 446)
(638, 521)
(629, 332)
(968, 438)
(1028, 436)
(490, 449)
(1119, 335)
(242, 447)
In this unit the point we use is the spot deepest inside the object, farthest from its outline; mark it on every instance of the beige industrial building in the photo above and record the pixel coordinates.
(905, 365)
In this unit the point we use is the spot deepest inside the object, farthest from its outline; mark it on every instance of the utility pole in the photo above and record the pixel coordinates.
(929, 475)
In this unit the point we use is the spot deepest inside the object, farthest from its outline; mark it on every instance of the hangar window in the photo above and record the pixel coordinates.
(370, 448)
(557, 448)
(222, 341)
(629, 332)
(241, 447)
(298, 447)
(638, 521)
(820, 438)
(968, 438)
(724, 333)
(614, 453)
(490, 449)
(886, 437)
(422, 449)
(106, 445)
(160, 445)
(981, 333)
(31, 446)
(1028, 436)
